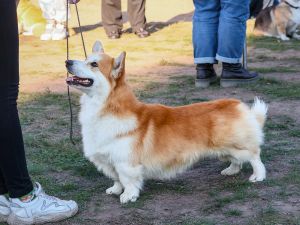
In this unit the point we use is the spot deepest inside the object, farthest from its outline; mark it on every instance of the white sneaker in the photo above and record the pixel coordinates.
(42, 209)
(4, 208)
(59, 32)
(47, 35)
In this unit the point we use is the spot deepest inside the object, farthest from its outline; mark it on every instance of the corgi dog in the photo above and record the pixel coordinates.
(280, 21)
(30, 19)
(130, 141)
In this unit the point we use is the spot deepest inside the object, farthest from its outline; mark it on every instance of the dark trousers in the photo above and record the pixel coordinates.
(14, 178)
(112, 15)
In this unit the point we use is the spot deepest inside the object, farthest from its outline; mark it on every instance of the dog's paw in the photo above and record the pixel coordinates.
(115, 190)
(254, 178)
(296, 36)
(284, 38)
(128, 197)
(231, 170)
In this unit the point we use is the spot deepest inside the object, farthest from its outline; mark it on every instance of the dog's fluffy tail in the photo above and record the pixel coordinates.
(260, 109)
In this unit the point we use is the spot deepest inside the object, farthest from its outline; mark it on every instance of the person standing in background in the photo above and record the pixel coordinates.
(112, 18)
(219, 32)
(54, 11)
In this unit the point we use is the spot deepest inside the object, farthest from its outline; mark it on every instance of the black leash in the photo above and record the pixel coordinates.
(292, 6)
(68, 54)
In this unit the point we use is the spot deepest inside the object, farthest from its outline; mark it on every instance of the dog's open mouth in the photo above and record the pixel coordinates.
(74, 80)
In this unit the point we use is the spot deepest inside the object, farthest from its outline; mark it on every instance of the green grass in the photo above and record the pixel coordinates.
(200, 222)
(152, 187)
(218, 202)
(176, 187)
(280, 138)
(270, 216)
(263, 57)
(178, 91)
(295, 133)
(279, 69)
(273, 44)
(164, 62)
(276, 89)
(233, 212)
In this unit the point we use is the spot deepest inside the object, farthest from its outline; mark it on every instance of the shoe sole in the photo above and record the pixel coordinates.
(204, 83)
(236, 82)
(15, 220)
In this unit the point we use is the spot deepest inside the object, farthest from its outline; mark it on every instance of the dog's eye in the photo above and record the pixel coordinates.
(94, 64)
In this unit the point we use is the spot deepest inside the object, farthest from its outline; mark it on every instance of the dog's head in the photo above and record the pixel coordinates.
(98, 74)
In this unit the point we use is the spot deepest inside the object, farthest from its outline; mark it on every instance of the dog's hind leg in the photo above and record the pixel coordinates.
(259, 170)
(234, 168)
(131, 178)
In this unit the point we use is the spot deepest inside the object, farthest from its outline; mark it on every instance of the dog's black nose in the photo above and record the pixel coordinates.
(69, 62)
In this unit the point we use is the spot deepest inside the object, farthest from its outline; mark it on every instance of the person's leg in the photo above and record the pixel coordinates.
(60, 17)
(112, 17)
(205, 39)
(3, 188)
(232, 30)
(12, 155)
(137, 18)
(29, 209)
(205, 30)
(231, 40)
(48, 13)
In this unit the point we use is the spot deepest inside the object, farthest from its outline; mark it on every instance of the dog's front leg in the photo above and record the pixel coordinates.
(109, 171)
(131, 178)
(281, 28)
(117, 188)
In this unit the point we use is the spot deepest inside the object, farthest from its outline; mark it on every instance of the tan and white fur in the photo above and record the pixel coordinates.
(279, 21)
(130, 141)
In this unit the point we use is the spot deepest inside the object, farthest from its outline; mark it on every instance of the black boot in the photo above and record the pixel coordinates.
(205, 75)
(234, 74)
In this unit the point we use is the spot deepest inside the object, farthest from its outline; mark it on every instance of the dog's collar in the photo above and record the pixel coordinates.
(294, 7)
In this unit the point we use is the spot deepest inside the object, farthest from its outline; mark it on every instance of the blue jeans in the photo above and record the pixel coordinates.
(219, 30)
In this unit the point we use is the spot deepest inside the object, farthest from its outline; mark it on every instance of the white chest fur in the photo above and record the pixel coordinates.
(101, 134)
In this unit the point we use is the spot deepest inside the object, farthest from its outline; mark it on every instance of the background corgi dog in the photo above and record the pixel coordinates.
(30, 19)
(257, 5)
(279, 21)
(130, 141)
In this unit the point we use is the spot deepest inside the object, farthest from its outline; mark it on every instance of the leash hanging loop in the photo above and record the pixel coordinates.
(68, 2)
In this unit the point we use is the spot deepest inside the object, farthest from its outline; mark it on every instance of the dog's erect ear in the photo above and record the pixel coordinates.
(98, 48)
(119, 65)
